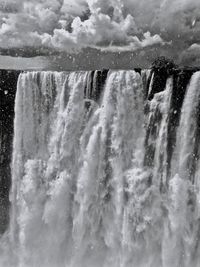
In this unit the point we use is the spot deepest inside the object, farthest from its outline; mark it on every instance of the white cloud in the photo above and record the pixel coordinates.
(100, 30)
(176, 18)
(112, 25)
(73, 8)
(149, 40)
(194, 47)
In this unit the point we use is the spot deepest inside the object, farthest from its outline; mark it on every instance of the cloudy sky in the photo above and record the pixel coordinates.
(73, 30)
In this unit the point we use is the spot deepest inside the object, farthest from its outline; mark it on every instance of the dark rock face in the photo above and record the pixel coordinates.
(8, 85)
(95, 83)
(162, 68)
(157, 83)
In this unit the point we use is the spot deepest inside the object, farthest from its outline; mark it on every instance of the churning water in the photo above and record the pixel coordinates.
(104, 173)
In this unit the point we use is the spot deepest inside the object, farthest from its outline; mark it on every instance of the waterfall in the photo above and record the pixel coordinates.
(105, 171)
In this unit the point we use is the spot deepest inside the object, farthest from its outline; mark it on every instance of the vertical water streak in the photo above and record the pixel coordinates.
(156, 156)
(40, 106)
(97, 179)
(107, 156)
(70, 164)
(180, 246)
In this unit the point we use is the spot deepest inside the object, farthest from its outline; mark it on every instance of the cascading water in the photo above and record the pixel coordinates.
(105, 171)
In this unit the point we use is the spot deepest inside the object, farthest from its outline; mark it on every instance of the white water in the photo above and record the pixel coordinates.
(82, 195)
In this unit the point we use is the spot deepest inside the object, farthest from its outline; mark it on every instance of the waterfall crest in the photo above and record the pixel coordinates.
(105, 171)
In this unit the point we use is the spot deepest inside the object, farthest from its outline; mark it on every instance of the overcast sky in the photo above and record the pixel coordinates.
(143, 28)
